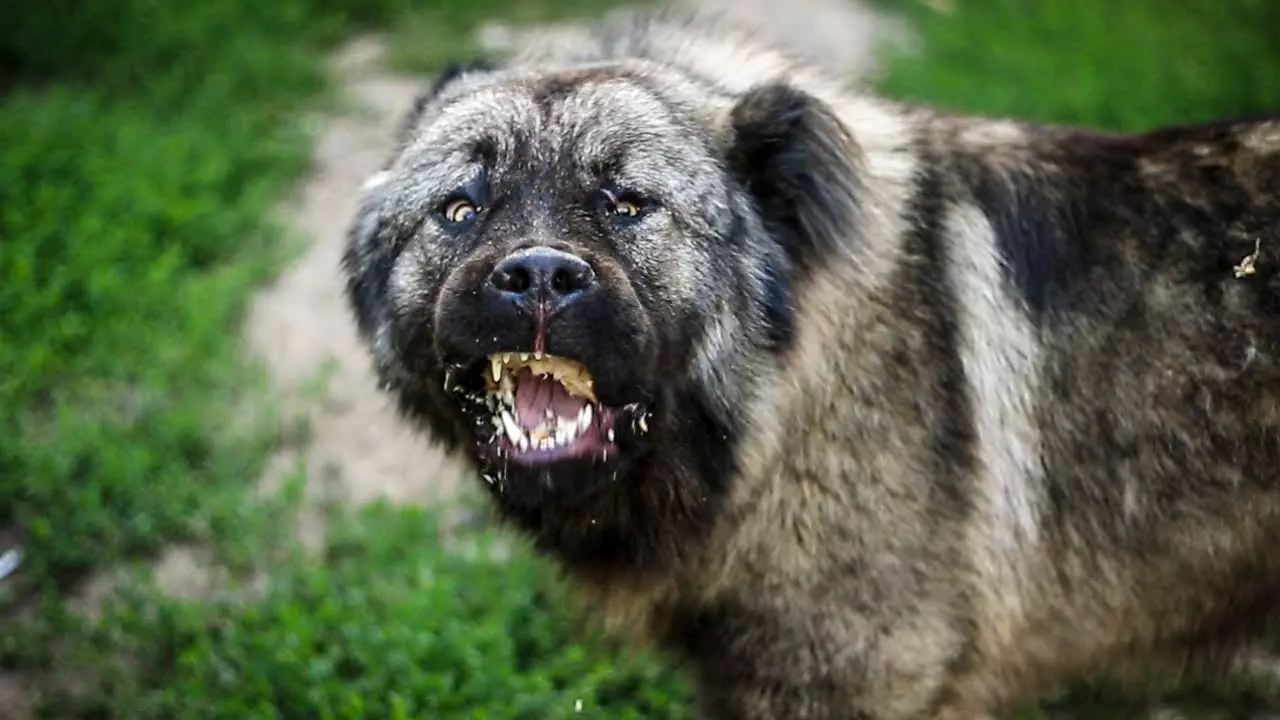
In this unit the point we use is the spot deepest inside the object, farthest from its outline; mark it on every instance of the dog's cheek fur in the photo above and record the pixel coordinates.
(390, 290)
(368, 260)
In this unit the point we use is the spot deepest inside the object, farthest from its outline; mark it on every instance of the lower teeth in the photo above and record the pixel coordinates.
(556, 432)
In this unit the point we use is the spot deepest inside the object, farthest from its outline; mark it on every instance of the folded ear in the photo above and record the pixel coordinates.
(798, 161)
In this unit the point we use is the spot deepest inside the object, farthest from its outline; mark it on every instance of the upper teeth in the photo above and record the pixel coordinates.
(572, 375)
(552, 431)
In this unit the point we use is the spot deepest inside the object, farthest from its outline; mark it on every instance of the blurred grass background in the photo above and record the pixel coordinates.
(1125, 65)
(143, 148)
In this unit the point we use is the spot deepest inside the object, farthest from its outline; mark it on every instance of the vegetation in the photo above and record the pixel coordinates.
(146, 146)
(1117, 65)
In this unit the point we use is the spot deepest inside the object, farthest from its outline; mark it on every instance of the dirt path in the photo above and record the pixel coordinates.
(300, 324)
(843, 35)
(302, 327)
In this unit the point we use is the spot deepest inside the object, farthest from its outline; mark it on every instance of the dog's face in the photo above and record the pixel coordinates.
(568, 274)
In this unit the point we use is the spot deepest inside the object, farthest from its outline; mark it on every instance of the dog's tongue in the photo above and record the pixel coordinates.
(535, 394)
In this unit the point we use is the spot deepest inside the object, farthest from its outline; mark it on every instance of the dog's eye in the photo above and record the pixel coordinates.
(626, 208)
(460, 211)
(622, 207)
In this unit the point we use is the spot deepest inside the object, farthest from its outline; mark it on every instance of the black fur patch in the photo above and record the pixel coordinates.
(923, 284)
(1041, 232)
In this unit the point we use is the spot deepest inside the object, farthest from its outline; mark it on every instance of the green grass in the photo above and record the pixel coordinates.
(396, 619)
(145, 146)
(1125, 65)
(422, 37)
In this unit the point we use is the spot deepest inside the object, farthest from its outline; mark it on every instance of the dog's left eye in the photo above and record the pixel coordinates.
(460, 211)
(624, 207)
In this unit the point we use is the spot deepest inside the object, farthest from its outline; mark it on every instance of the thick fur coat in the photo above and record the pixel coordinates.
(908, 414)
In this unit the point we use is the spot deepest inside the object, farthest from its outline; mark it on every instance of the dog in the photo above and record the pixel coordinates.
(865, 409)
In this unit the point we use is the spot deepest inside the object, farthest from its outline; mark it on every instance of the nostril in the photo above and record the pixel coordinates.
(511, 279)
(547, 271)
(571, 279)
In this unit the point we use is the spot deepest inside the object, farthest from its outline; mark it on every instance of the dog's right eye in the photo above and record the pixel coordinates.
(460, 211)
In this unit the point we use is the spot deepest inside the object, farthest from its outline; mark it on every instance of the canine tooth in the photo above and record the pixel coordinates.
(609, 435)
(512, 428)
(496, 367)
(644, 426)
(585, 417)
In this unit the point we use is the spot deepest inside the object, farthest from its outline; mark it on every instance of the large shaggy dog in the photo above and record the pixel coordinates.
(870, 411)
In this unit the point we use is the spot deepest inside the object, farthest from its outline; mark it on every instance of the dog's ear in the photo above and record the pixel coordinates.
(797, 160)
(450, 74)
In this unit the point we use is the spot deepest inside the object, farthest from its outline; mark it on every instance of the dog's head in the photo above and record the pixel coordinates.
(579, 275)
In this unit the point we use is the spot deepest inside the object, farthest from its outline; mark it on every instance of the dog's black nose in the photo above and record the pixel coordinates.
(542, 274)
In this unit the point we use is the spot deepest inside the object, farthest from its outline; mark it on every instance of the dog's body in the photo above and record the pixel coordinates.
(909, 414)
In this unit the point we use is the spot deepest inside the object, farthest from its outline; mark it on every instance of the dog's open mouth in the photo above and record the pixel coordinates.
(544, 409)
